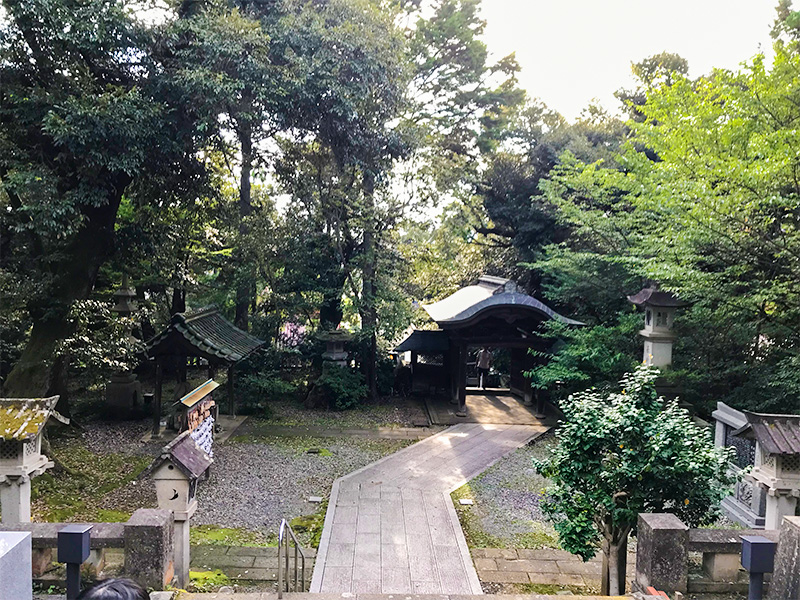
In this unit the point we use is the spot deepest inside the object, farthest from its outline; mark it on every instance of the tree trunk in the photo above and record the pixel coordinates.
(39, 372)
(615, 557)
(369, 311)
(244, 281)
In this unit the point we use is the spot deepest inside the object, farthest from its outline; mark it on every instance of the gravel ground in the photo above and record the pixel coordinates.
(255, 485)
(507, 496)
(389, 412)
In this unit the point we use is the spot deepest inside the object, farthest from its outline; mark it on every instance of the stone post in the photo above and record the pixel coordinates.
(15, 566)
(150, 548)
(779, 506)
(15, 498)
(182, 552)
(785, 583)
(662, 556)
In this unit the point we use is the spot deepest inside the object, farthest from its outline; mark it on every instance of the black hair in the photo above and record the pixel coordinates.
(115, 589)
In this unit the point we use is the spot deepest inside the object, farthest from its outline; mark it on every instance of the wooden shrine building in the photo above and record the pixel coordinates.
(493, 313)
(206, 334)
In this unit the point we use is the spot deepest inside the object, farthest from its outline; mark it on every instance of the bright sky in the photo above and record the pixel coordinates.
(572, 51)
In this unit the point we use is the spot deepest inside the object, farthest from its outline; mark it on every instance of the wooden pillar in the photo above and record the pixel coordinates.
(462, 381)
(157, 399)
(231, 398)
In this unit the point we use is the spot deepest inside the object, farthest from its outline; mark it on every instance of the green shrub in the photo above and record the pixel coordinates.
(342, 387)
(256, 391)
(385, 376)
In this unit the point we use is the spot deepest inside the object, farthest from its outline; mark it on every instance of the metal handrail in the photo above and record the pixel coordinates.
(283, 552)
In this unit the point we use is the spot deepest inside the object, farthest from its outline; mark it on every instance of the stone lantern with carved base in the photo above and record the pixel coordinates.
(22, 422)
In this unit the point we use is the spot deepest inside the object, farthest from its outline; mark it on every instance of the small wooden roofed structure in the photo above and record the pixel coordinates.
(203, 333)
(495, 313)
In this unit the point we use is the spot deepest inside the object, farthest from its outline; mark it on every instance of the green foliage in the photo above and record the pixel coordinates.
(213, 535)
(310, 526)
(75, 488)
(207, 581)
(596, 355)
(625, 453)
(342, 387)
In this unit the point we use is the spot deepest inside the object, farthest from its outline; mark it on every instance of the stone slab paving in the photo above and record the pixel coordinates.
(483, 406)
(349, 596)
(244, 562)
(544, 566)
(391, 526)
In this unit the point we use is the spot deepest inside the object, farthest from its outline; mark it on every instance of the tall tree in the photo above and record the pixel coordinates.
(80, 119)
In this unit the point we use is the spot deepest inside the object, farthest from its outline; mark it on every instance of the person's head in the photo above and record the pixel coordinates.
(115, 589)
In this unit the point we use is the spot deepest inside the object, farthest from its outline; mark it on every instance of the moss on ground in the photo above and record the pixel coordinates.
(207, 581)
(71, 490)
(213, 535)
(309, 527)
(546, 589)
(498, 518)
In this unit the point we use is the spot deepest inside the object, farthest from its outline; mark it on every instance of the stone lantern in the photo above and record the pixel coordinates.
(335, 351)
(22, 422)
(659, 316)
(124, 391)
(777, 462)
(176, 473)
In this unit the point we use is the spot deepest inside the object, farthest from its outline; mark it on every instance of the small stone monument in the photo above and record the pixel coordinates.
(15, 566)
(335, 351)
(777, 462)
(124, 391)
(176, 472)
(659, 315)
(22, 422)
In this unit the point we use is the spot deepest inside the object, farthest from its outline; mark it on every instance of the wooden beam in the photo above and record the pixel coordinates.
(157, 399)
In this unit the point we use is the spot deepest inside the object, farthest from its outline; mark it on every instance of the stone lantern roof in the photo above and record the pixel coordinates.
(652, 296)
(776, 434)
(22, 419)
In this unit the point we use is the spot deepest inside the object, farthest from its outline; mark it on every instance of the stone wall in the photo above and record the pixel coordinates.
(147, 539)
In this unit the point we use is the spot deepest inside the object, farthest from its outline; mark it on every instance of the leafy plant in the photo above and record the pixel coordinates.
(343, 387)
(626, 453)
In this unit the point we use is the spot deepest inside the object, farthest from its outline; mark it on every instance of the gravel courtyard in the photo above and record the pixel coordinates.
(254, 484)
(507, 512)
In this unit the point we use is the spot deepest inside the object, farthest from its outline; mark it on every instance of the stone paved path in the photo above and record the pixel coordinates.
(391, 526)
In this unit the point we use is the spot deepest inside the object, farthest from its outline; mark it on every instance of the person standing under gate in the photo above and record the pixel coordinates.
(484, 362)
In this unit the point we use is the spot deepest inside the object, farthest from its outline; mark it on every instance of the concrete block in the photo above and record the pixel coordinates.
(722, 567)
(662, 553)
(15, 566)
(786, 577)
(149, 548)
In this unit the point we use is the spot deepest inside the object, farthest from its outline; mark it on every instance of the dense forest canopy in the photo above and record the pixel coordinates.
(335, 163)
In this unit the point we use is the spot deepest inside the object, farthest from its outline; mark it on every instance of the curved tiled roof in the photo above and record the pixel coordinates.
(206, 333)
(489, 293)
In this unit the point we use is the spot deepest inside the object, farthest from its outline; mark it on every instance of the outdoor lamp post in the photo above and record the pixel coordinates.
(175, 474)
(73, 549)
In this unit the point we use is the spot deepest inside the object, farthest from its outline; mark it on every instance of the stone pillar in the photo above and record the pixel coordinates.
(182, 552)
(462, 381)
(15, 566)
(15, 499)
(150, 548)
(785, 583)
(719, 434)
(662, 556)
(779, 506)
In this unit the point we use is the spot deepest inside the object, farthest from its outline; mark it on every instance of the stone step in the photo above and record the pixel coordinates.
(349, 596)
